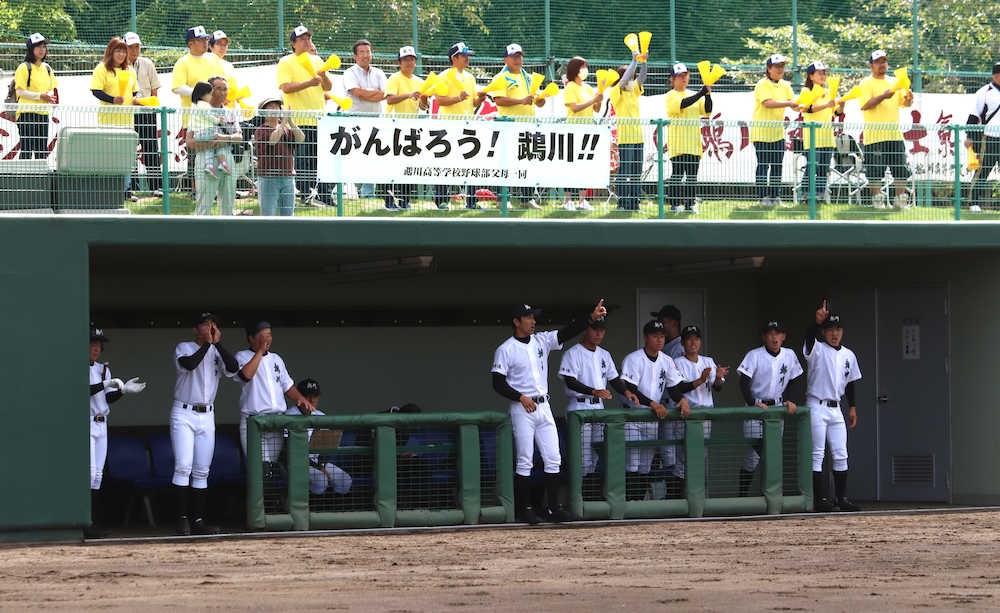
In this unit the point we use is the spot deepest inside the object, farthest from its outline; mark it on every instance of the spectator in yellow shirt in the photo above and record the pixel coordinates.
(820, 111)
(106, 85)
(304, 92)
(515, 101)
(194, 66)
(684, 138)
(461, 99)
(34, 85)
(402, 95)
(581, 102)
(883, 144)
(772, 95)
(624, 97)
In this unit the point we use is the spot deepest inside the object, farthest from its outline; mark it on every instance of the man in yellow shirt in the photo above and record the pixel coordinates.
(624, 96)
(684, 138)
(194, 66)
(772, 95)
(460, 100)
(517, 102)
(883, 144)
(304, 92)
(402, 96)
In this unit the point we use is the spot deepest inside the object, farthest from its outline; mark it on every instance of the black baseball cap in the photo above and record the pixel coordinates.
(996, 68)
(668, 311)
(206, 316)
(689, 330)
(520, 310)
(601, 323)
(832, 321)
(97, 334)
(653, 326)
(255, 326)
(197, 32)
(772, 324)
(308, 387)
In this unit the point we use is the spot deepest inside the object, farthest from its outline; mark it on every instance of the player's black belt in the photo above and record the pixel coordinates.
(833, 404)
(198, 408)
(100, 418)
(540, 399)
(771, 402)
(588, 399)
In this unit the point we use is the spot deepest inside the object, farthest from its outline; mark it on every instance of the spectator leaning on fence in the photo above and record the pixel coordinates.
(220, 183)
(515, 101)
(581, 102)
(985, 144)
(304, 92)
(772, 95)
(461, 99)
(820, 111)
(146, 124)
(883, 144)
(624, 96)
(34, 85)
(684, 138)
(402, 96)
(275, 141)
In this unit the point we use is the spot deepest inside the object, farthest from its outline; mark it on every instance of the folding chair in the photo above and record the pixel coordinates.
(847, 171)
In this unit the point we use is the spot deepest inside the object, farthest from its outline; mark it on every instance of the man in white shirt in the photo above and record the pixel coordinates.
(365, 84)
(520, 374)
(199, 365)
(765, 372)
(146, 124)
(986, 145)
(832, 371)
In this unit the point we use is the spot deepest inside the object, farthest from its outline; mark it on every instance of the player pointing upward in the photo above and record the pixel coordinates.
(520, 374)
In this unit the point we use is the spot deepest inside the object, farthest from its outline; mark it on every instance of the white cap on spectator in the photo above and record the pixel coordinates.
(36, 39)
(777, 58)
(677, 69)
(300, 30)
(513, 49)
(219, 35)
(407, 51)
(877, 55)
(131, 38)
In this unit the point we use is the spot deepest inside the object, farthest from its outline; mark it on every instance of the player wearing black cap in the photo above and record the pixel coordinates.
(520, 374)
(833, 369)
(323, 475)
(986, 144)
(765, 373)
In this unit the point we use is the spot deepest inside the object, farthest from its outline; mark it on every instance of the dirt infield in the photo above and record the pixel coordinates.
(940, 561)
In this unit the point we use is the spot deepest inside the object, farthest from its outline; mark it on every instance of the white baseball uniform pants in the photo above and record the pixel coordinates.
(828, 427)
(590, 433)
(270, 442)
(98, 452)
(640, 459)
(754, 428)
(334, 477)
(531, 428)
(675, 431)
(192, 436)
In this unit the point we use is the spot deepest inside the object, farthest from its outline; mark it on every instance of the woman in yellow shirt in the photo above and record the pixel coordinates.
(684, 137)
(35, 85)
(821, 111)
(581, 102)
(772, 95)
(106, 84)
(624, 98)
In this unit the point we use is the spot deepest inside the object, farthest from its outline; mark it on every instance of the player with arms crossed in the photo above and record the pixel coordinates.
(520, 374)
(765, 373)
(832, 371)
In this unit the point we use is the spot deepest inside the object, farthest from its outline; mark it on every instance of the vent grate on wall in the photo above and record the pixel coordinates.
(913, 470)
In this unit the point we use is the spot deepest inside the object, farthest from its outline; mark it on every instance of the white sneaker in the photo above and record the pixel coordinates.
(782, 204)
(975, 208)
(583, 205)
(878, 201)
(569, 205)
(678, 208)
(533, 205)
(902, 201)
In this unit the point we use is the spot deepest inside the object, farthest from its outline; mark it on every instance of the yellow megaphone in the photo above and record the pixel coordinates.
(806, 97)
(453, 77)
(632, 42)
(331, 63)
(536, 83)
(441, 87)
(705, 70)
(429, 84)
(124, 78)
(147, 101)
(550, 90)
(973, 160)
(305, 60)
(902, 79)
(854, 92)
(717, 73)
(345, 104)
(605, 79)
(498, 84)
(644, 38)
(834, 84)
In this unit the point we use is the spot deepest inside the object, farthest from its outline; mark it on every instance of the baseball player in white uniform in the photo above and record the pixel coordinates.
(588, 370)
(649, 374)
(266, 383)
(705, 376)
(200, 365)
(520, 374)
(104, 391)
(832, 370)
(323, 476)
(765, 373)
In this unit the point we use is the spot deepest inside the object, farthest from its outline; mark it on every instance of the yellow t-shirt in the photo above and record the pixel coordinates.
(627, 113)
(190, 69)
(576, 93)
(228, 71)
(308, 99)
(516, 89)
(107, 81)
(886, 111)
(824, 132)
(766, 89)
(684, 139)
(464, 107)
(397, 85)
(41, 82)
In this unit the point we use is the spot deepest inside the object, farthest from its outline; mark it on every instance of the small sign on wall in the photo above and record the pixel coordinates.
(911, 339)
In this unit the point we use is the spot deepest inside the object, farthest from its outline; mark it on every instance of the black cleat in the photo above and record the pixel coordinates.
(823, 505)
(201, 528)
(183, 526)
(528, 516)
(847, 506)
(562, 514)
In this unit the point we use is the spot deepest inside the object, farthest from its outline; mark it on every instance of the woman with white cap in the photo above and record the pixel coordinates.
(34, 85)
(772, 95)
(820, 111)
(274, 141)
(684, 137)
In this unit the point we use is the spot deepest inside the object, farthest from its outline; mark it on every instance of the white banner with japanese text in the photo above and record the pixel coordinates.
(461, 152)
